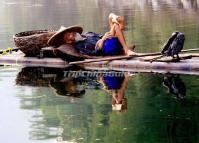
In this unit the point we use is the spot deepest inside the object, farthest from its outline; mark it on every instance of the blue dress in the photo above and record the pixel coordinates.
(111, 46)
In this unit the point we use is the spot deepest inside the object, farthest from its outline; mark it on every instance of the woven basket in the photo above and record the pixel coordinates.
(31, 42)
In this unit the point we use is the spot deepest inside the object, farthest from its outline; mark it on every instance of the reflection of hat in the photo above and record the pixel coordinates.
(67, 87)
(54, 40)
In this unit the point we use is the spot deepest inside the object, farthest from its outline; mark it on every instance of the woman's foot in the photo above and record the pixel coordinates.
(120, 21)
(129, 53)
(116, 19)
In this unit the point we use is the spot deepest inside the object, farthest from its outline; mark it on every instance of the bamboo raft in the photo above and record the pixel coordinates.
(31, 44)
(188, 66)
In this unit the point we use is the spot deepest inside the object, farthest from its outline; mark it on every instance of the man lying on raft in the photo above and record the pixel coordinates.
(112, 43)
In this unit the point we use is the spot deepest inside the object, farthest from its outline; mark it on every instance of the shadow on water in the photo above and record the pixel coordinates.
(150, 115)
(175, 86)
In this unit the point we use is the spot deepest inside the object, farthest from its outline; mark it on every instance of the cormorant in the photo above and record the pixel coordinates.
(174, 45)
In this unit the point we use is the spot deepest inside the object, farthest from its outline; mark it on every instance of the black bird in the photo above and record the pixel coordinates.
(174, 45)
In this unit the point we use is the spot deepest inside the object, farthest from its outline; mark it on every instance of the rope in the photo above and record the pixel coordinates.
(6, 51)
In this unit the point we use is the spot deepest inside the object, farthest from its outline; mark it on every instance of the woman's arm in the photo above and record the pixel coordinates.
(100, 42)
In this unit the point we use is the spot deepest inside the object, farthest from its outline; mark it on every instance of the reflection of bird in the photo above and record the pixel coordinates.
(175, 86)
(174, 45)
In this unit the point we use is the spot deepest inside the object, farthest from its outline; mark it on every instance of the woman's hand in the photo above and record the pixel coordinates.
(107, 35)
(100, 42)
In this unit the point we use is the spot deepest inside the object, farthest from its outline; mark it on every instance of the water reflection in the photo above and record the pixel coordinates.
(73, 81)
(55, 78)
(155, 4)
(175, 86)
(181, 130)
(68, 119)
(82, 112)
(116, 86)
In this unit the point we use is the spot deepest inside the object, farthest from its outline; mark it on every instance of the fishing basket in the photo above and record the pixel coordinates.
(31, 42)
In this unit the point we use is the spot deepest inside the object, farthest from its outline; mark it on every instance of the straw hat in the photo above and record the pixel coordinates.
(57, 37)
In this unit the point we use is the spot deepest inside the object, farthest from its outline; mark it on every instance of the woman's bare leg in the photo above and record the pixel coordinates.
(116, 24)
(119, 34)
(116, 30)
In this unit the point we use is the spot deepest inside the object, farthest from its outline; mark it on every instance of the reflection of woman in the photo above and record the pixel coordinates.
(117, 86)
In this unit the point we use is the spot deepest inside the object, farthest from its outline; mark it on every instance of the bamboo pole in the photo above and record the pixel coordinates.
(126, 57)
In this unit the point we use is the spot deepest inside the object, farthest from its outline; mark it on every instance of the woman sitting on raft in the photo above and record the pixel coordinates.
(112, 43)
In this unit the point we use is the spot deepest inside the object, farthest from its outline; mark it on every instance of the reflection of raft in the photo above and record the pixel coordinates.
(52, 77)
(31, 42)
